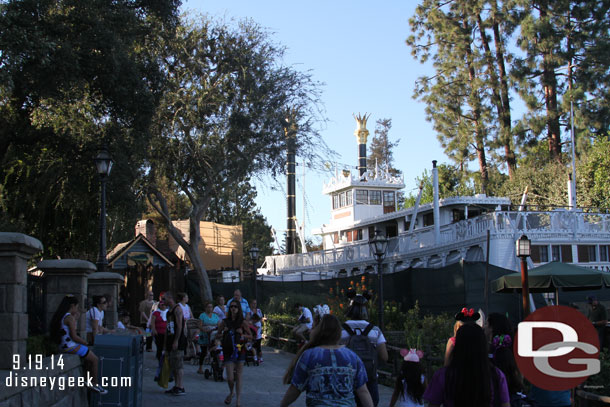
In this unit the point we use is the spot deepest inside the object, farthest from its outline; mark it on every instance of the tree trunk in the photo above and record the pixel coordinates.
(475, 105)
(191, 248)
(549, 82)
(505, 118)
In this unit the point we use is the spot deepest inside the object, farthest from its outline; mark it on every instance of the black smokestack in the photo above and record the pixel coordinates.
(361, 134)
(291, 228)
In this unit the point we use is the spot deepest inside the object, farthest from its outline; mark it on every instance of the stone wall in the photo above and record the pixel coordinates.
(39, 395)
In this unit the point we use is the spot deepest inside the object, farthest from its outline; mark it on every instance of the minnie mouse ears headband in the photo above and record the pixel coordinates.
(411, 355)
(467, 315)
(358, 298)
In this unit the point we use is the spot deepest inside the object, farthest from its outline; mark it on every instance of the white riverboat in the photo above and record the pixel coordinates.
(437, 234)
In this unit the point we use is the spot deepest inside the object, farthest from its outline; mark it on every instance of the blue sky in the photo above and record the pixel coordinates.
(357, 49)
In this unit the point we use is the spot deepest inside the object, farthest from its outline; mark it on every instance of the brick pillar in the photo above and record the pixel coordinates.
(64, 277)
(15, 251)
(105, 282)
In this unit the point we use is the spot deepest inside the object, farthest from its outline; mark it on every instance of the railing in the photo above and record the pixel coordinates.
(564, 222)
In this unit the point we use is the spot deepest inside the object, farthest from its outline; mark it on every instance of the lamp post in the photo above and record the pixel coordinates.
(523, 250)
(103, 164)
(254, 255)
(379, 245)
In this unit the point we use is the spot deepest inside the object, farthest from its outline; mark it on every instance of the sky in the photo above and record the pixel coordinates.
(358, 51)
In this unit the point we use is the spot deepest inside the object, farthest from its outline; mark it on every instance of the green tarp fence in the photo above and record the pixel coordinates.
(446, 289)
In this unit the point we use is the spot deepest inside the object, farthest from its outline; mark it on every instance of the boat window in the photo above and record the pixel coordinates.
(540, 254)
(428, 219)
(348, 198)
(562, 253)
(375, 198)
(586, 254)
(362, 197)
(359, 235)
(458, 215)
(342, 199)
(335, 201)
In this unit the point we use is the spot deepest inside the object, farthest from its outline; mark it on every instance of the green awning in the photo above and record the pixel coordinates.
(552, 276)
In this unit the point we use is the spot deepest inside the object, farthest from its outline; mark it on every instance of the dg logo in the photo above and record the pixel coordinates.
(557, 348)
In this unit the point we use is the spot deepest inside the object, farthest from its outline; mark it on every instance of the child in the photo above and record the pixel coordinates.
(125, 324)
(461, 318)
(409, 387)
(258, 326)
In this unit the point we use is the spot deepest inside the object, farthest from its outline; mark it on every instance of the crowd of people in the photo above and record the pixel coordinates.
(336, 364)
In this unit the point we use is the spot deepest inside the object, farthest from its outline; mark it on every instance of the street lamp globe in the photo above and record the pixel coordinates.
(379, 245)
(103, 163)
(524, 247)
(254, 252)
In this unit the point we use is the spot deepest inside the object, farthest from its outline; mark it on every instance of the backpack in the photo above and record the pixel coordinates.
(364, 348)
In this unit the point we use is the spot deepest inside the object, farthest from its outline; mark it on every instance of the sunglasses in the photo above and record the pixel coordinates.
(234, 306)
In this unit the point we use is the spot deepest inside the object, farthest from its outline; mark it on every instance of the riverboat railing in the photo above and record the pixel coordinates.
(568, 224)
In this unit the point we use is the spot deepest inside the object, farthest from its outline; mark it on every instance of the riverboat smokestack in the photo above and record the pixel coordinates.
(361, 134)
(436, 212)
(291, 229)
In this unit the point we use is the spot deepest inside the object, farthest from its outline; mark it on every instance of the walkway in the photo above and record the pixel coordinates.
(262, 385)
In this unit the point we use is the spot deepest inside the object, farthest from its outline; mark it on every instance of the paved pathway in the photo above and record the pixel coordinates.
(262, 385)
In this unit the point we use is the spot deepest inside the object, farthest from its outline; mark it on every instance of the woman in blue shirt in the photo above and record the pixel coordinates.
(329, 373)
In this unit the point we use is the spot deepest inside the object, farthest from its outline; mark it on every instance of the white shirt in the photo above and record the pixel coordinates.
(94, 314)
(375, 335)
(306, 313)
(218, 310)
(186, 311)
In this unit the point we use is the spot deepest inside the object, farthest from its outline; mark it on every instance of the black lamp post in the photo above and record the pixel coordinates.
(103, 164)
(524, 250)
(379, 245)
(254, 255)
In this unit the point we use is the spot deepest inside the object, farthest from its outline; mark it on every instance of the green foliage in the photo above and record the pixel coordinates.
(279, 326)
(221, 120)
(598, 383)
(74, 76)
(451, 182)
(284, 304)
(381, 148)
(593, 179)
(428, 333)
(545, 179)
(41, 345)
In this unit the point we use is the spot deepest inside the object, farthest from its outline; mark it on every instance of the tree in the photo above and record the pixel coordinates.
(456, 94)
(593, 182)
(222, 119)
(381, 148)
(75, 75)
(451, 182)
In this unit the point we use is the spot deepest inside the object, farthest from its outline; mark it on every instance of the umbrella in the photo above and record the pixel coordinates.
(554, 275)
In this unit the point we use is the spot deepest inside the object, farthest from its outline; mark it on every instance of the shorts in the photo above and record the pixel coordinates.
(80, 350)
(300, 329)
(176, 360)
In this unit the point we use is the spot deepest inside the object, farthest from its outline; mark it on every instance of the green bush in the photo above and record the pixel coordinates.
(598, 383)
(278, 326)
(41, 345)
(285, 304)
(428, 333)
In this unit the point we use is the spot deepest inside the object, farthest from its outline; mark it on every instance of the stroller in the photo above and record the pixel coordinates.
(250, 351)
(251, 355)
(214, 359)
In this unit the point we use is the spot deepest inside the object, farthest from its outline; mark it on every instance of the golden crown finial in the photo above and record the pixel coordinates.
(361, 132)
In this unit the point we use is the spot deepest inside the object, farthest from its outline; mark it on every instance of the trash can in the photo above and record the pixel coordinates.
(120, 370)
